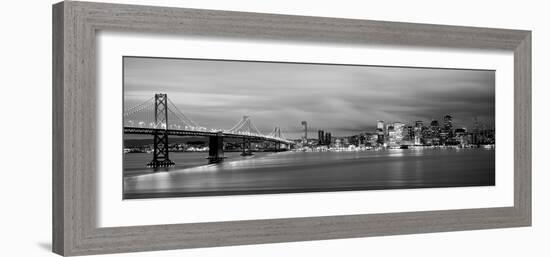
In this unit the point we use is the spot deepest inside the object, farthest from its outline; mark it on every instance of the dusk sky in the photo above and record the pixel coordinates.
(341, 99)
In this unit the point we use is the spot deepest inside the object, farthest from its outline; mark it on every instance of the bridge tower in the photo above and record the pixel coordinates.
(277, 134)
(160, 141)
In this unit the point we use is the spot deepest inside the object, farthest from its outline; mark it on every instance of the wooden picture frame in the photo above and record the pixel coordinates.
(74, 111)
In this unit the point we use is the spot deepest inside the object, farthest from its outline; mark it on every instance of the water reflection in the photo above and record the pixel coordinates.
(312, 171)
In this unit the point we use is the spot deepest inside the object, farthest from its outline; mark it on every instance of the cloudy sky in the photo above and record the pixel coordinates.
(342, 99)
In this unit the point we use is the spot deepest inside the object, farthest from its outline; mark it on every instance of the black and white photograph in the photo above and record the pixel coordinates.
(136, 128)
(202, 127)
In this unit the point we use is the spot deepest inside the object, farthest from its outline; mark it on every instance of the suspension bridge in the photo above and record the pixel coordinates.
(159, 116)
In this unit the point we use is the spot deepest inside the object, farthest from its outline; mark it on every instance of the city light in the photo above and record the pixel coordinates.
(400, 135)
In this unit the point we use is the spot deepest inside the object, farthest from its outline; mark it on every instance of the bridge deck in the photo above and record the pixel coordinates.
(174, 132)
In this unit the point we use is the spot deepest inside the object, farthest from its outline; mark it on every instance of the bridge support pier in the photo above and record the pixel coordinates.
(215, 148)
(247, 147)
(160, 151)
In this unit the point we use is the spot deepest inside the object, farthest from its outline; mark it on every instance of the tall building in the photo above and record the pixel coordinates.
(321, 136)
(399, 129)
(408, 135)
(304, 123)
(418, 132)
(446, 134)
(380, 139)
(390, 138)
(434, 136)
(389, 128)
(328, 138)
(380, 125)
(448, 123)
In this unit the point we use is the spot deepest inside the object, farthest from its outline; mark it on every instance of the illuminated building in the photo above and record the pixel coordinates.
(418, 132)
(408, 135)
(448, 123)
(399, 128)
(372, 139)
(461, 136)
(380, 125)
(391, 140)
(434, 134)
(446, 133)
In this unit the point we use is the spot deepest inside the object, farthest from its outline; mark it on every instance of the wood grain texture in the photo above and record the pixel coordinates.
(522, 128)
(58, 230)
(74, 138)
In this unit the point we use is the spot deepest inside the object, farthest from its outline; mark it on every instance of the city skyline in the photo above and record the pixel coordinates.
(342, 99)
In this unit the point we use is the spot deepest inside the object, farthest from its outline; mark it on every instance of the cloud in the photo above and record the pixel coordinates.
(339, 98)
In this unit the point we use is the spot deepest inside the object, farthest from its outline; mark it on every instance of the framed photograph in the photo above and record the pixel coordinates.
(181, 128)
(302, 127)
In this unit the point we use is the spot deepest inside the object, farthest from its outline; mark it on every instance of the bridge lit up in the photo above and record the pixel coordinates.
(159, 117)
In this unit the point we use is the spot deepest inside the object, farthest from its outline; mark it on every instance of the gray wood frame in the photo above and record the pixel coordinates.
(74, 113)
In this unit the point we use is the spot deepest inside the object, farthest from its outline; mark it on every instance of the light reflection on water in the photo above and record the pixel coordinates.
(313, 171)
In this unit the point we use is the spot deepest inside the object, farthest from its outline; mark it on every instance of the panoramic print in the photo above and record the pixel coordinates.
(201, 127)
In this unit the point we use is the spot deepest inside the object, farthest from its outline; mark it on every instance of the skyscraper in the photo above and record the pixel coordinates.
(380, 125)
(380, 138)
(321, 136)
(399, 129)
(328, 138)
(418, 132)
(446, 133)
(408, 134)
(448, 123)
(390, 138)
(434, 132)
(304, 123)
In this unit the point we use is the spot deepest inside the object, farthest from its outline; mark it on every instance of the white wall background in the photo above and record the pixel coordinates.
(25, 86)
